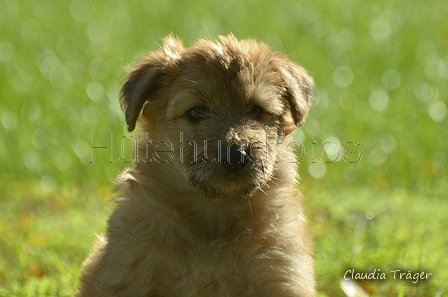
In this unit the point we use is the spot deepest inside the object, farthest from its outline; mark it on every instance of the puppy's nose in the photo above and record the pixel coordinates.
(233, 157)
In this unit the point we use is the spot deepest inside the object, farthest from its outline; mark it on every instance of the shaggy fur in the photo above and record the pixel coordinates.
(211, 208)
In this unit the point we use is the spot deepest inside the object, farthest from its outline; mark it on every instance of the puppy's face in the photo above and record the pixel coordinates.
(223, 107)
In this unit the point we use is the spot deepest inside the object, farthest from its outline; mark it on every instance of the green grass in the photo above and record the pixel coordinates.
(361, 230)
(381, 69)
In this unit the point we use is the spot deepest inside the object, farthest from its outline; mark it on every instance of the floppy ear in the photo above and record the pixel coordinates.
(144, 79)
(298, 95)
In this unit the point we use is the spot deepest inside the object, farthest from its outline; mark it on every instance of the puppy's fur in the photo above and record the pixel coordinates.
(211, 208)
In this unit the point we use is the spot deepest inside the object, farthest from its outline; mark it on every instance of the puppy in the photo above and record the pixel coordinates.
(211, 208)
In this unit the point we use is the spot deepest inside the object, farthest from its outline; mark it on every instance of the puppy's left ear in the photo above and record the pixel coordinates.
(144, 79)
(299, 94)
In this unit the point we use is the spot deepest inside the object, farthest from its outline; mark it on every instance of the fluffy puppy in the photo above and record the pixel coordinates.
(211, 208)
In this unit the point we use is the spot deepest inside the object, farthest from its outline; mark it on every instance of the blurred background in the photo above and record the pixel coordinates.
(374, 166)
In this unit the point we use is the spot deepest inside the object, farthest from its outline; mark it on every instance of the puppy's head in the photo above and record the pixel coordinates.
(224, 107)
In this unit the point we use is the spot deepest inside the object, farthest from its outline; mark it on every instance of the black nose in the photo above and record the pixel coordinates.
(233, 157)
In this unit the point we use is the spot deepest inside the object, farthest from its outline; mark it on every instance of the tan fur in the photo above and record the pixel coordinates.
(190, 220)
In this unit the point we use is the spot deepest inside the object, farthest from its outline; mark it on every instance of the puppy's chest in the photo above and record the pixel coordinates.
(213, 268)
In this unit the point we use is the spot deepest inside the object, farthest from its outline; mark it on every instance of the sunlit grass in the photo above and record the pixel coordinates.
(362, 230)
(381, 69)
(45, 237)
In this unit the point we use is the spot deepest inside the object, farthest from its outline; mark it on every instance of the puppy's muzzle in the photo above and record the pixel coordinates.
(234, 158)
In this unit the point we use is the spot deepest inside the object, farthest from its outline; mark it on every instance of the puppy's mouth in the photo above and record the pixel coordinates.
(233, 172)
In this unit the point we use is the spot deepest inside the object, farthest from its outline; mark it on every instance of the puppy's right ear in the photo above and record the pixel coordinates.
(144, 79)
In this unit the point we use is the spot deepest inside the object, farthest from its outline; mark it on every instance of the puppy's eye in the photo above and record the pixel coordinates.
(256, 111)
(195, 114)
